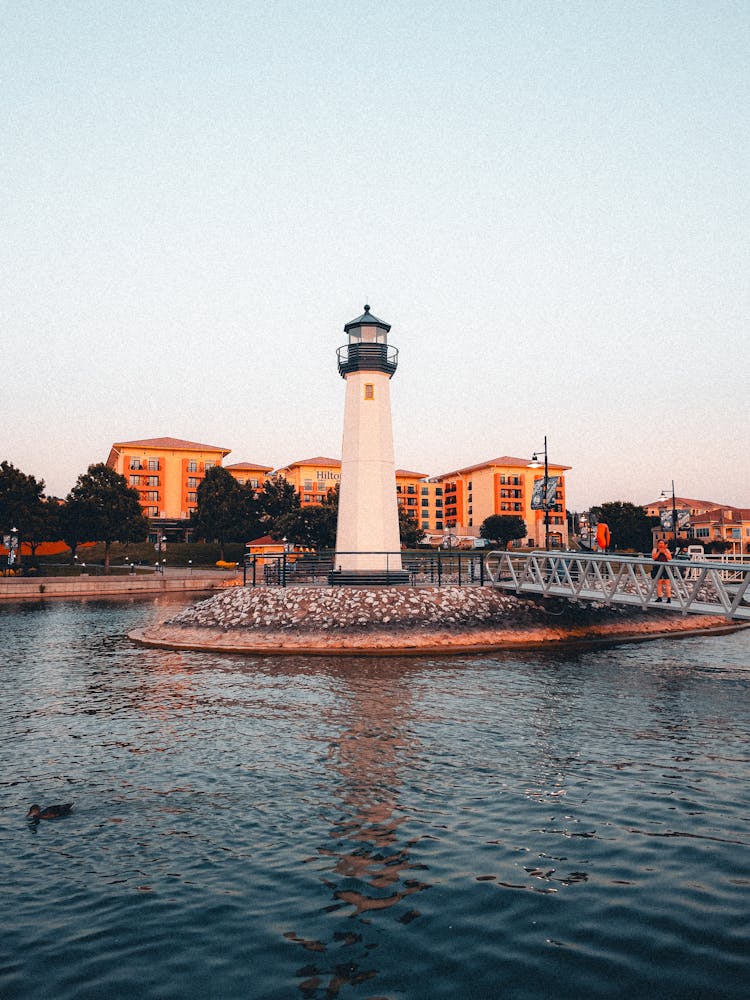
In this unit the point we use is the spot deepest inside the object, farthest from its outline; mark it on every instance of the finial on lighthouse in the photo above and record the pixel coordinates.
(367, 308)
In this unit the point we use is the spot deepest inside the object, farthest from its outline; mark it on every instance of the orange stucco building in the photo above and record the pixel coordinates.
(166, 471)
(502, 486)
(312, 478)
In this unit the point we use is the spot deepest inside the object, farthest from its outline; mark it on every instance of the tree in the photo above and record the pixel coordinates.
(408, 528)
(227, 511)
(278, 497)
(313, 526)
(73, 525)
(106, 509)
(45, 525)
(629, 525)
(502, 528)
(20, 502)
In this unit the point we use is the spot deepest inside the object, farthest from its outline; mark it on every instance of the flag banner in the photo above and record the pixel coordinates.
(683, 519)
(538, 501)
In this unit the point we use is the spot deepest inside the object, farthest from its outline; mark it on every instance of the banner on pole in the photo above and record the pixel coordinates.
(538, 500)
(666, 519)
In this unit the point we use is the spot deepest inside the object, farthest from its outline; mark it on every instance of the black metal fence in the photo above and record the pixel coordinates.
(427, 568)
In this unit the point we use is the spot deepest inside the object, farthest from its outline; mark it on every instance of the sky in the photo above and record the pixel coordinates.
(548, 202)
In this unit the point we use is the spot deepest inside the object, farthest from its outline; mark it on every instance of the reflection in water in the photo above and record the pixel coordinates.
(367, 864)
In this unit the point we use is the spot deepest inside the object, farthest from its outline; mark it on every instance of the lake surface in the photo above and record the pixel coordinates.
(494, 826)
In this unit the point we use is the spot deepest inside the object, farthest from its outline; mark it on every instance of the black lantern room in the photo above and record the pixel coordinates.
(368, 348)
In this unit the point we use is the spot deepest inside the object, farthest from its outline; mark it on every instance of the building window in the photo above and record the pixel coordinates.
(192, 482)
(135, 480)
(439, 491)
(425, 524)
(369, 390)
(192, 497)
(253, 483)
(192, 465)
(308, 484)
(438, 525)
(308, 497)
(152, 495)
(152, 511)
(424, 490)
(209, 465)
(425, 502)
(152, 480)
(153, 465)
(135, 463)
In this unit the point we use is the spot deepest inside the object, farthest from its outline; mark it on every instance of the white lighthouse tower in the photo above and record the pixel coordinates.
(367, 537)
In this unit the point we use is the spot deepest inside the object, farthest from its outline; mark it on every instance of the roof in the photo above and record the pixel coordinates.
(265, 540)
(248, 467)
(506, 461)
(333, 463)
(412, 475)
(667, 502)
(171, 444)
(367, 319)
(722, 514)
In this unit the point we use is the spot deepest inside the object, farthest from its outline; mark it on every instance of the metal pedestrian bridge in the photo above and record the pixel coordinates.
(697, 587)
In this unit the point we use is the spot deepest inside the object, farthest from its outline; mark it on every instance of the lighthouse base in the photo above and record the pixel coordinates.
(368, 578)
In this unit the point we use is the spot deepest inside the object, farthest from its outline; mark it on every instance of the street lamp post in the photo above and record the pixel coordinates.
(665, 496)
(535, 465)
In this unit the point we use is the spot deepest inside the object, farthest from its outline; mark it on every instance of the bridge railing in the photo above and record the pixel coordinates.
(697, 587)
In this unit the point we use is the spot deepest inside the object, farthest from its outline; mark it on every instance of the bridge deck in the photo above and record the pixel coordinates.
(703, 588)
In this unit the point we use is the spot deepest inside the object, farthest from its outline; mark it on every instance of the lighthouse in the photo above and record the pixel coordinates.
(368, 545)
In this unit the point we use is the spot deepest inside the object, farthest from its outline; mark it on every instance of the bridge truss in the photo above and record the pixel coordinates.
(703, 588)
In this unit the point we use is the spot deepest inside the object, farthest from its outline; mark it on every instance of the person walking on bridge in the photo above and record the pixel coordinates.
(661, 554)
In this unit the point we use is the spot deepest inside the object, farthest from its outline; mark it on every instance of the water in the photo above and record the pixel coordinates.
(485, 827)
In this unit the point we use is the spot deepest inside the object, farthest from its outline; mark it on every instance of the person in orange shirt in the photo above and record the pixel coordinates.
(661, 554)
(603, 536)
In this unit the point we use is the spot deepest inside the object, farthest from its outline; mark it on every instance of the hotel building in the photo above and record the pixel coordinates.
(501, 486)
(449, 508)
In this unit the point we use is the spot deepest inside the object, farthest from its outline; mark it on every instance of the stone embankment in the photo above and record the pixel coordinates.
(41, 588)
(401, 620)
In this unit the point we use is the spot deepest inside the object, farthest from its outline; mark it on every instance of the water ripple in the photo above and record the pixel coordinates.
(250, 827)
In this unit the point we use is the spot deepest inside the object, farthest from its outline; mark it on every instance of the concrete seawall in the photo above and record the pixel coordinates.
(15, 589)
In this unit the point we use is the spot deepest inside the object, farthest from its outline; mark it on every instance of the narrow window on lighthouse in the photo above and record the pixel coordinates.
(369, 390)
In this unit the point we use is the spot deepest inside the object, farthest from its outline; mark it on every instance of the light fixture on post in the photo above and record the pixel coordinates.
(535, 464)
(665, 496)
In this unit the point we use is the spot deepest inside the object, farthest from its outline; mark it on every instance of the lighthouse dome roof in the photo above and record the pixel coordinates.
(367, 319)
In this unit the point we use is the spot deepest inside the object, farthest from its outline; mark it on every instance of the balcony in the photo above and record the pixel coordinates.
(367, 357)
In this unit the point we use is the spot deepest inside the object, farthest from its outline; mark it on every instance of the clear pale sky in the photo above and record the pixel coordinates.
(549, 202)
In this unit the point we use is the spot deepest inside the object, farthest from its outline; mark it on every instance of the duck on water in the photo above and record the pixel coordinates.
(49, 812)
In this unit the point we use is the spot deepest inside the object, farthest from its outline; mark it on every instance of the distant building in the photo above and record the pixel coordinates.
(249, 474)
(730, 525)
(703, 522)
(502, 486)
(312, 478)
(449, 508)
